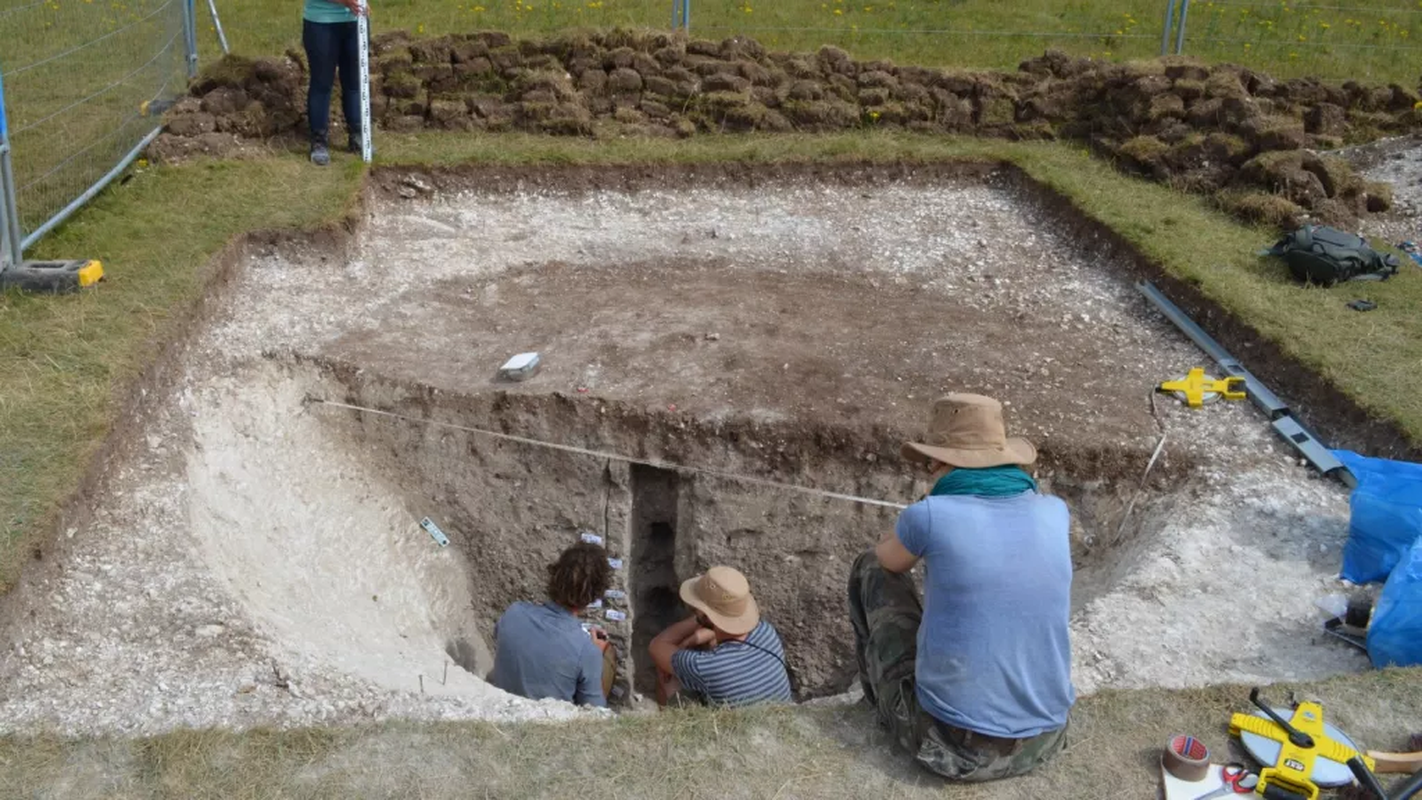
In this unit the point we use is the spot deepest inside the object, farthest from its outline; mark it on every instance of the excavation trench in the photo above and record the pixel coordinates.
(660, 496)
(254, 555)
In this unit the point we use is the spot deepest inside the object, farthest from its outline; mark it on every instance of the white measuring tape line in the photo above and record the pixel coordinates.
(567, 448)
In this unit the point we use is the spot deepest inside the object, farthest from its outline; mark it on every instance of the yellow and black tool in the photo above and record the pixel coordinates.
(1196, 390)
(1303, 742)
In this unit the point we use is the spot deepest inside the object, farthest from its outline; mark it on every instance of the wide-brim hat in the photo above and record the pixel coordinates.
(967, 431)
(723, 595)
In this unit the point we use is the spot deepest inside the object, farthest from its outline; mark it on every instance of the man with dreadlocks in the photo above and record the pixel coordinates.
(542, 650)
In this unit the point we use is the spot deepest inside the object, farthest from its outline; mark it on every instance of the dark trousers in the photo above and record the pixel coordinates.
(331, 46)
(885, 611)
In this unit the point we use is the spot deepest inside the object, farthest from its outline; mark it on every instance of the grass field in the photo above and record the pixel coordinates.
(819, 754)
(77, 75)
(1360, 39)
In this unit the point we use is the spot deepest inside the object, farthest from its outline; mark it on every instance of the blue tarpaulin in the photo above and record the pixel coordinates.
(1385, 518)
(1385, 543)
(1395, 634)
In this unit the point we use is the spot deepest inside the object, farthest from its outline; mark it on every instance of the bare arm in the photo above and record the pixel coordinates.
(892, 554)
(666, 643)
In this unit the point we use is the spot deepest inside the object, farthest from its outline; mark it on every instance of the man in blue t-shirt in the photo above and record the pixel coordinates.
(541, 649)
(975, 682)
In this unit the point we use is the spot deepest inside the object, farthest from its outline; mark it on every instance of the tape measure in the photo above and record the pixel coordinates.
(1195, 390)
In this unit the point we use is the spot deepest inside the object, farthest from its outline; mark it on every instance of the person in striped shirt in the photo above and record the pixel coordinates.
(724, 654)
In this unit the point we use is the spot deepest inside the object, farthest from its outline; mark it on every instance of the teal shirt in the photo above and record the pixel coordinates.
(325, 11)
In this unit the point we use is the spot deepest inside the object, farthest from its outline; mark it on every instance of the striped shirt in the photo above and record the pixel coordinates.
(737, 673)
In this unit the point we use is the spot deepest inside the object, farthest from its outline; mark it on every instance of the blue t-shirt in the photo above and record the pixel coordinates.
(994, 646)
(542, 651)
(737, 673)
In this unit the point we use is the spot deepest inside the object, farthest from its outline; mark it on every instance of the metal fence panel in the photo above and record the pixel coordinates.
(9, 220)
(86, 83)
(1329, 39)
(967, 33)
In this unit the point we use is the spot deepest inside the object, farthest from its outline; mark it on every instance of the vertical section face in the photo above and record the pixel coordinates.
(653, 577)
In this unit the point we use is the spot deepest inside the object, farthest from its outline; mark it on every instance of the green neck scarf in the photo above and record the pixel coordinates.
(1003, 481)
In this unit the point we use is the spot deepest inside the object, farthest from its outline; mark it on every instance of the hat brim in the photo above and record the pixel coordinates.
(738, 625)
(1015, 450)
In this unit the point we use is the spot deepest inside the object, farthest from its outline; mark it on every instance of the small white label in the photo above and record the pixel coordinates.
(614, 615)
(595, 604)
(590, 538)
(618, 691)
(615, 594)
(587, 627)
(434, 532)
(615, 563)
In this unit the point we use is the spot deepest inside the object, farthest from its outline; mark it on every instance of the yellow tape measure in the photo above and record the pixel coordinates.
(1195, 390)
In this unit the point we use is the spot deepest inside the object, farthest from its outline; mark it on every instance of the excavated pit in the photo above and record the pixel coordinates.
(509, 506)
(253, 554)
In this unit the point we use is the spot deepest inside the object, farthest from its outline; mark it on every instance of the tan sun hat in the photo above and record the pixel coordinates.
(967, 431)
(723, 595)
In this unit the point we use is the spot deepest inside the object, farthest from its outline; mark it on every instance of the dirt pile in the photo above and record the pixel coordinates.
(1217, 130)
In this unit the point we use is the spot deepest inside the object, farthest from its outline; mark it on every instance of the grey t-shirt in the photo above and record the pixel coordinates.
(542, 651)
(994, 646)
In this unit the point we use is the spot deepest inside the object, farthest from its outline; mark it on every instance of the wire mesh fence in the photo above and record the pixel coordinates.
(968, 33)
(1377, 42)
(1335, 39)
(85, 82)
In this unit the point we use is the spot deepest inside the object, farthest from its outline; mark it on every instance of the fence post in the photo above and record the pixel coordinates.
(681, 15)
(1180, 29)
(190, 36)
(217, 23)
(11, 252)
(1169, 23)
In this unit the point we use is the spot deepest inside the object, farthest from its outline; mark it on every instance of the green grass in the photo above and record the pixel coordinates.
(77, 73)
(759, 753)
(1287, 39)
(64, 358)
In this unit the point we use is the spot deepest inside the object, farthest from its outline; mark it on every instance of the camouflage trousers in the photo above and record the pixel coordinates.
(885, 610)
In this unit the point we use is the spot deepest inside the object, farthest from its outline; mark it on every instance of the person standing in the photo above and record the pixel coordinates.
(332, 41)
(975, 681)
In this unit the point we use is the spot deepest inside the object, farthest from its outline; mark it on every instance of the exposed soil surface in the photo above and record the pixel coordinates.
(793, 330)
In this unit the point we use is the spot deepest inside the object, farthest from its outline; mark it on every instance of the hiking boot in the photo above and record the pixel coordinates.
(353, 144)
(320, 153)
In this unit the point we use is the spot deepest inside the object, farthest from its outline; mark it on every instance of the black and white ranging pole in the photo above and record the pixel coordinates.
(363, 27)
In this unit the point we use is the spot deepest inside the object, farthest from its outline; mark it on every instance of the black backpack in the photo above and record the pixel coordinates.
(1325, 256)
